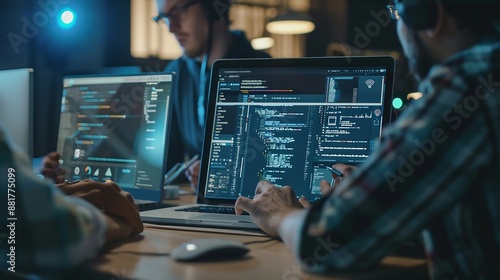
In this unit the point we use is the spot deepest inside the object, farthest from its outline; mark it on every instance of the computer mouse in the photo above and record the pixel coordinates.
(209, 249)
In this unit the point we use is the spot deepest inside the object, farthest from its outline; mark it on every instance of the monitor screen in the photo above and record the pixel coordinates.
(285, 121)
(114, 128)
(16, 107)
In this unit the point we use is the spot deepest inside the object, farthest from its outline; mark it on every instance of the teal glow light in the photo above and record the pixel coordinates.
(397, 103)
(67, 18)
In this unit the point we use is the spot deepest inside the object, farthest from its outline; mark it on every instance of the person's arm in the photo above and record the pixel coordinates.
(53, 232)
(424, 165)
(289, 228)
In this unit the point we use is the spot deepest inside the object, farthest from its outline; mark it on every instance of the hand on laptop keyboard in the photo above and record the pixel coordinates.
(112, 200)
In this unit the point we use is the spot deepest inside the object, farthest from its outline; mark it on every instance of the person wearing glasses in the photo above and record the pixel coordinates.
(436, 171)
(202, 29)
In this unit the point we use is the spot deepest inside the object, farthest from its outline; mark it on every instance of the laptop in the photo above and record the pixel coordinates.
(285, 121)
(114, 128)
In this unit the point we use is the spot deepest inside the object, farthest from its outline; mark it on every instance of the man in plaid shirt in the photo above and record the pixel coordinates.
(437, 168)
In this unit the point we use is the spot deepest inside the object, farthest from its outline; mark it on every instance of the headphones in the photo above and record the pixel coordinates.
(216, 9)
(418, 14)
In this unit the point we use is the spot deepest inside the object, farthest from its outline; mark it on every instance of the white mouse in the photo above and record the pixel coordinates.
(210, 249)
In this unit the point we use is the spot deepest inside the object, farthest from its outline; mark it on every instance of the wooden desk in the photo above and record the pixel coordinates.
(147, 257)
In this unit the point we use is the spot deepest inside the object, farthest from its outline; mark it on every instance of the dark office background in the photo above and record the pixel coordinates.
(101, 41)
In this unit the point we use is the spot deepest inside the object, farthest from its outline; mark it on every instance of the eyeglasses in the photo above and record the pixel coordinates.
(176, 14)
(393, 11)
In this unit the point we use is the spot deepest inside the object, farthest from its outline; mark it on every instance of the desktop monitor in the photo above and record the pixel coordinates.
(16, 107)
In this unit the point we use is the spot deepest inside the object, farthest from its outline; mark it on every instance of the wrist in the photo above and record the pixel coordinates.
(116, 230)
(290, 225)
(279, 218)
(112, 230)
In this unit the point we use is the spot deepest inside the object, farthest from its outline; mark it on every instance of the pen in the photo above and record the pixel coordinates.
(177, 169)
(335, 171)
(189, 162)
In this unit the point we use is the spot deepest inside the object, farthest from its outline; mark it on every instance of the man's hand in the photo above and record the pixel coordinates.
(346, 170)
(193, 173)
(325, 189)
(51, 168)
(269, 206)
(325, 186)
(118, 205)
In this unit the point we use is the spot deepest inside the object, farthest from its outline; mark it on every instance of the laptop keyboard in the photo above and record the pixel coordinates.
(210, 209)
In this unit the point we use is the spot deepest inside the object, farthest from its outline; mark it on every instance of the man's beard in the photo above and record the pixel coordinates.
(421, 62)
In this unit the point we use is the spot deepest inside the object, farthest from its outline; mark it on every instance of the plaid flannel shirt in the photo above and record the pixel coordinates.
(436, 171)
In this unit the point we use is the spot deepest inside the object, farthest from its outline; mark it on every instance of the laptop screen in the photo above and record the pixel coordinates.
(285, 120)
(114, 128)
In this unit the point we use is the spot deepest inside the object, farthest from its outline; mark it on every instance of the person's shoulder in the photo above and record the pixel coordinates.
(173, 65)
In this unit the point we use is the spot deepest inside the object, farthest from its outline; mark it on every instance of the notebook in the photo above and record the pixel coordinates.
(114, 128)
(283, 120)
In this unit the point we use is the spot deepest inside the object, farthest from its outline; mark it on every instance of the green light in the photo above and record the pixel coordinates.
(397, 103)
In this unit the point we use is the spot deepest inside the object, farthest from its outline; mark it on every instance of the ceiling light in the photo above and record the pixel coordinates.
(262, 43)
(290, 23)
